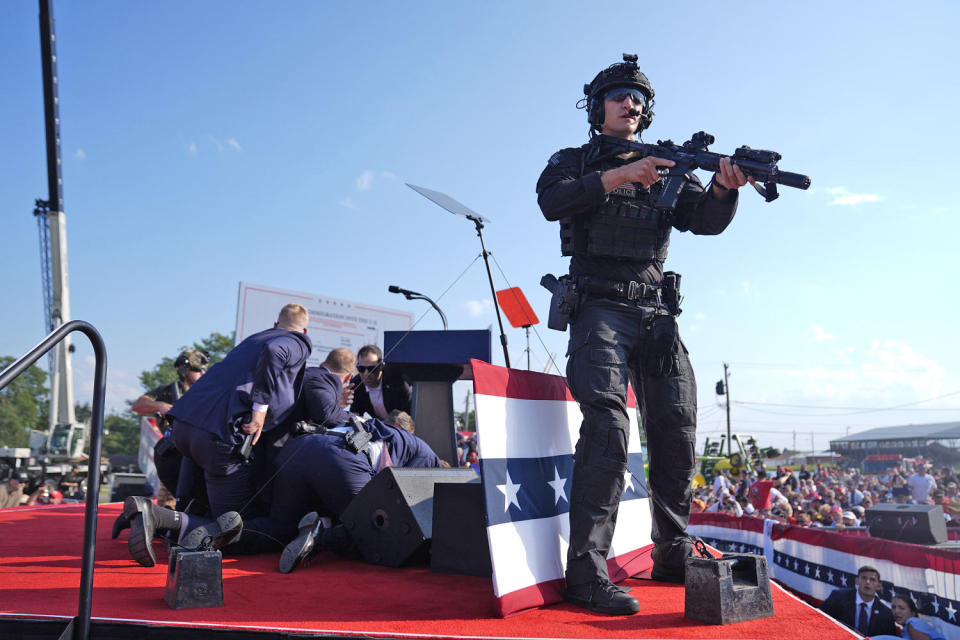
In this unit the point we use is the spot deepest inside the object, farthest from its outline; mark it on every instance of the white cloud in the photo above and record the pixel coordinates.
(233, 144)
(192, 148)
(475, 308)
(79, 154)
(348, 203)
(819, 334)
(842, 196)
(887, 374)
(746, 287)
(365, 180)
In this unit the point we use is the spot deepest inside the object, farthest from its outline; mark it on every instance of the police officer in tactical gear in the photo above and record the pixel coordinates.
(624, 329)
(190, 365)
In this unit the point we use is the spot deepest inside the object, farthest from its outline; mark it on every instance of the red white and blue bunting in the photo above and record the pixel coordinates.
(816, 561)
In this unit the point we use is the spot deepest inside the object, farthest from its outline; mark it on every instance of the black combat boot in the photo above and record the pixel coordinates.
(670, 560)
(602, 597)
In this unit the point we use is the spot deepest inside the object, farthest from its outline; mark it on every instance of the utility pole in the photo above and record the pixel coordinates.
(53, 230)
(723, 388)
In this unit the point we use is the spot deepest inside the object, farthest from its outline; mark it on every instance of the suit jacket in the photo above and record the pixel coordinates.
(320, 399)
(842, 605)
(266, 368)
(322, 465)
(397, 393)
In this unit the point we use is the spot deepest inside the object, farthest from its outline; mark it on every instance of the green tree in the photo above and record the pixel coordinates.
(121, 434)
(217, 346)
(83, 412)
(22, 405)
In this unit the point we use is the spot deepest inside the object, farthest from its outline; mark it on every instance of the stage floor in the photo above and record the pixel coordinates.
(40, 551)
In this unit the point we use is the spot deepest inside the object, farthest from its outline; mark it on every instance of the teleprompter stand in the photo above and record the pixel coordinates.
(457, 208)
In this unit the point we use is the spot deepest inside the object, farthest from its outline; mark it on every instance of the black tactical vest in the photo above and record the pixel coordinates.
(626, 226)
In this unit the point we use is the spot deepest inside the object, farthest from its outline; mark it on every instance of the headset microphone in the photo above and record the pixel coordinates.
(634, 112)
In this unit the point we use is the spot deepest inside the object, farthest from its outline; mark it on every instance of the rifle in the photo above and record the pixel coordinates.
(693, 154)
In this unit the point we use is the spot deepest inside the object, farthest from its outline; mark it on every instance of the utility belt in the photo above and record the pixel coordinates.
(567, 293)
(354, 434)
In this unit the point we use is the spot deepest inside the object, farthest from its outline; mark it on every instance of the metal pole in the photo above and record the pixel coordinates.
(726, 388)
(81, 628)
(528, 346)
(493, 291)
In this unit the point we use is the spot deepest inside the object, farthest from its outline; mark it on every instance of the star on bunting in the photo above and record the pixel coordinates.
(509, 493)
(557, 485)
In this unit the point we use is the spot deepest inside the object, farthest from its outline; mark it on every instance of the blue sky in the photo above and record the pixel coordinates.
(209, 143)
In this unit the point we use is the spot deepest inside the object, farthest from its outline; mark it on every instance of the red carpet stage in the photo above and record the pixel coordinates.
(40, 551)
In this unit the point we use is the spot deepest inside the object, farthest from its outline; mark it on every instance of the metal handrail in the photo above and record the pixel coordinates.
(79, 627)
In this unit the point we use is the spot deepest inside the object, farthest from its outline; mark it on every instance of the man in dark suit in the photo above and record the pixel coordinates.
(249, 393)
(318, 475)
(320, 400)
(380, 388)
(860, 608)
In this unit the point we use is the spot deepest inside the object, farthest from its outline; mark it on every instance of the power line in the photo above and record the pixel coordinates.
(849, 410)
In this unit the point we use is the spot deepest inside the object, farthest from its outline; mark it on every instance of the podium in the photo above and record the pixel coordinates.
(432, 361)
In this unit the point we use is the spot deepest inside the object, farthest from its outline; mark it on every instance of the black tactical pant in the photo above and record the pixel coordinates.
(610, 343)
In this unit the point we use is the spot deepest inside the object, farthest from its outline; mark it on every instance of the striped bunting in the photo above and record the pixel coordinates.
(527, 426)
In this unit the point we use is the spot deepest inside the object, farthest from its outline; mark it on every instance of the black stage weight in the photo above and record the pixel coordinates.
(732, 588)
(391, 519)
(194, 579)
(916, 523)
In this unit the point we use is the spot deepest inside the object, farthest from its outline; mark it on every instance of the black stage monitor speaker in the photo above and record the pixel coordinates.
(124, 485)
(916, 523)
(392, 517)
(460, 530)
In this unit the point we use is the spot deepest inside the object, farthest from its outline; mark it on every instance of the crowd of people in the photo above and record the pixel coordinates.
(829, 496)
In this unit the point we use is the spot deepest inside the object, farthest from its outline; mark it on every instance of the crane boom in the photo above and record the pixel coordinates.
(53, 230)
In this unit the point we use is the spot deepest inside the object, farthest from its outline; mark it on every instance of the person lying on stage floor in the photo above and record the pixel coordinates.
(319, 474)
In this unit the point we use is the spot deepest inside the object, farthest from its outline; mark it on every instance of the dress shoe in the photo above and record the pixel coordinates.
(142, 527)
(303, 546)
(122, 522)
(215, 535)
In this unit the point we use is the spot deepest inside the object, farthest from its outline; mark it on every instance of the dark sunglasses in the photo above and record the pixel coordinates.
(618, 94)
(368, 368)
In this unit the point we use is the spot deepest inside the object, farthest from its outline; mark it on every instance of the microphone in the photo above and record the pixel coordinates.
(395, 289)
(634, 112)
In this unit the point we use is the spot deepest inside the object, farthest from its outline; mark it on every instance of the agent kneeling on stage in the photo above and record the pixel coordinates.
(218, 426)
(319, 473)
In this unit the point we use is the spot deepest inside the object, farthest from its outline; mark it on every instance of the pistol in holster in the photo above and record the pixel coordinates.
(563, 303)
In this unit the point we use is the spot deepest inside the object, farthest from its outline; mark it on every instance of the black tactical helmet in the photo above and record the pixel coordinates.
(620, 74)
(191, 359)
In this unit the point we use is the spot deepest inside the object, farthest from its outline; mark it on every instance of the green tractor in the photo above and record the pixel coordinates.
(740, 453)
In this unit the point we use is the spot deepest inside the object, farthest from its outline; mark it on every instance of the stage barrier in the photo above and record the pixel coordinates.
(815, 561)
